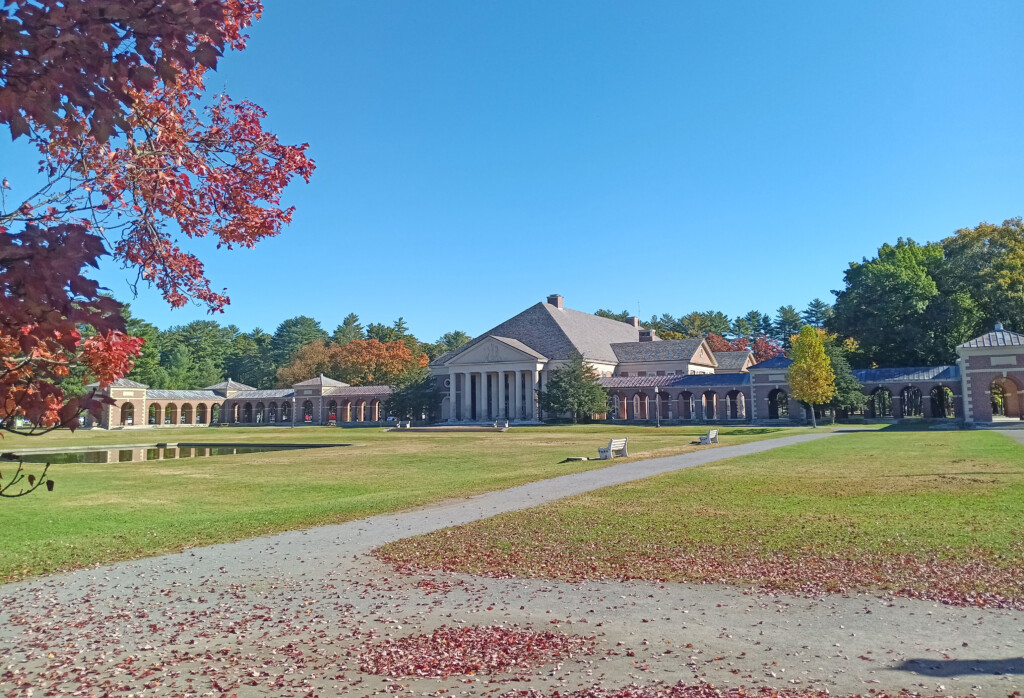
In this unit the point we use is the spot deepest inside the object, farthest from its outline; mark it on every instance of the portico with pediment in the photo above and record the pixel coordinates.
(498, 378)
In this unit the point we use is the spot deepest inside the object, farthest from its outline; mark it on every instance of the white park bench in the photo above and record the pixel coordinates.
(616, 447)
(501, 424)
(405, 424)
(711, 438)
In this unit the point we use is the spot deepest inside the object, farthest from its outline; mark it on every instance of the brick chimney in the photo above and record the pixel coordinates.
(633, 320)
(555, 300)
(647, 336)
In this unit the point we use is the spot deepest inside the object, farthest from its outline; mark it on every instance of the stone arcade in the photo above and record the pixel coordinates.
(497, 375)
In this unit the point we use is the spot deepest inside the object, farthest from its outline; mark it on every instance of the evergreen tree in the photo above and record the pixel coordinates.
(574, 388)
(349, 329)
(415, 395)
(787, 323)
(817, 313)
(251, 361)
(621, 317)
(849, 395)
(292, 334)
(810, 375)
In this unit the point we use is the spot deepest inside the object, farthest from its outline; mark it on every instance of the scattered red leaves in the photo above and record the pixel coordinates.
(470, 650)
(700, 690)
(978, 581)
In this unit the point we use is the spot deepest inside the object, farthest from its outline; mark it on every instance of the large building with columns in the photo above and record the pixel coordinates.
(498, 375)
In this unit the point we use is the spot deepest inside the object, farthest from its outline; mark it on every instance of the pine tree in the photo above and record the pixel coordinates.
(810, 377)
(574, 388)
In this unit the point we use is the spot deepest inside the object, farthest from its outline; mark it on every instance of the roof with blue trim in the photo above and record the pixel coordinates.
(907, 375)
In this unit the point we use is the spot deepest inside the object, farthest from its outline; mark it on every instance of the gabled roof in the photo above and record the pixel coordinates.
(555, 332)
(360, 390)
(516, 344)
(277, 393)
(182, 395)
(121, 383)
(665, 350)
(996, 338)
(731, 360)
(777, 362)
(229, 385)
(907, 375)
(702, 380)
(322, 381)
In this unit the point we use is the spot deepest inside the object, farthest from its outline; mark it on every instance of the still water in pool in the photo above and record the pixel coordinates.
(144, 453)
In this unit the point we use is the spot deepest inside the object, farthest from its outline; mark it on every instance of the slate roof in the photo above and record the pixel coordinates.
(121, 383)
(229, 385)
(997, 338)
(276, 393)
(516, 344)
(359, 390)
(322, 380)
(555, 332)
(777, 362)
(182, 395)
(665, 350)
(731, 360)
(907, 375)
(706, 380)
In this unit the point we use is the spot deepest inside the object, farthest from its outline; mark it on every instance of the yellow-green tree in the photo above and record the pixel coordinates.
(810, 377)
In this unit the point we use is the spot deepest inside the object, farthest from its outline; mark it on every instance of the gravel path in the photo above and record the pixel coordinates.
(289, 614)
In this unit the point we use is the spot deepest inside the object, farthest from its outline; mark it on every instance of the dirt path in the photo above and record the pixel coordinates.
(289, 614)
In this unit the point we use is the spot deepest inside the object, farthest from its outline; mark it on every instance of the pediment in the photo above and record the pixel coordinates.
(497, 350)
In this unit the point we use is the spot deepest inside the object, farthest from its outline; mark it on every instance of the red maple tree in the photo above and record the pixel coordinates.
(111, 94)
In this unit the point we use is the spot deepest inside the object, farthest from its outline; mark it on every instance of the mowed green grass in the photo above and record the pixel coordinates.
(107, 512)
(940, 514)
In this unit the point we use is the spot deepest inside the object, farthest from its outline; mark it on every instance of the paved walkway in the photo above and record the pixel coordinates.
(288, 614)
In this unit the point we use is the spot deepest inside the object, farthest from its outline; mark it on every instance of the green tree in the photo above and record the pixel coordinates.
(986, 263)
(748, 325)
(787, 323)
(415, 396)
(450, 341)
(349, 329)
(611, 315)
(701, 324)
(147, 369)
(849, 395)
(251, 360)
(205, 339)
(574, 388)
(817, 313)
(810, 375)
(180, 367)
(292, 334)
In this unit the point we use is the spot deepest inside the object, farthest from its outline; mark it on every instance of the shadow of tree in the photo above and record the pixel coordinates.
(962, 667)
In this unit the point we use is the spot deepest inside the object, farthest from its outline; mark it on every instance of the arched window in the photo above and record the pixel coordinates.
(127, 414)
(155, 414)
(215, 414)
(286, 411)
(260, 412)
(737, 405)
(307, 411)
(247, 413)
(943, 406)
(272, 412)
(778, 404)
(332, 410)
(186, 414)
(171, 414)
(1005, 399)
(201, 414)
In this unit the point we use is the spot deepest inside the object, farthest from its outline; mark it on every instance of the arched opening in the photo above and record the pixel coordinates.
(127, 414)
(171, 414)
(778, 404)
(247, 413)
(332, 412)
(155, 414)
(709, 401)
(186, 413)
(234, 413)
(943, 406)
(358, 410)
(686, 405)
(736, 405)
(621, 409)
(376, 413)
(346, 411)
(215, 414)
(879, 403)
(261, 413)
(201, 414)
(286, 411)
(307, 411)
(272, 412)
(911, 402)
(640, 406)
(664, 406)
(1005, 399)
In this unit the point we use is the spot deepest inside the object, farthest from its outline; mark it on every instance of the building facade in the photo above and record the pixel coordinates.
(498, 375)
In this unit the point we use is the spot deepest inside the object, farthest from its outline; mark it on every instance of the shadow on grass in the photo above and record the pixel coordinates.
(962, 667)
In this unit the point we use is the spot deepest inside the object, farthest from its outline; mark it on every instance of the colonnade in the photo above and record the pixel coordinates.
(480, 396)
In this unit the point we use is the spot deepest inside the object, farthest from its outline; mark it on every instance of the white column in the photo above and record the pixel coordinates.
(451, 396)
(501, 396)
(466, 404)
(531, 395)
(515, 398)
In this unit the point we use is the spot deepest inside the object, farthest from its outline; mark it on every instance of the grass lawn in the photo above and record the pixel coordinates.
(937, 515)
(107, 512)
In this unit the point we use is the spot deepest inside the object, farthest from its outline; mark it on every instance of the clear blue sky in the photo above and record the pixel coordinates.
(473, 157)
